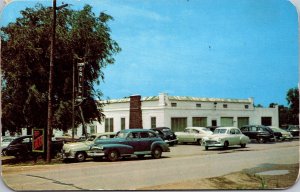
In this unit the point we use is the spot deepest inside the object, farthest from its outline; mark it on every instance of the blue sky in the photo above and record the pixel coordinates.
(201, 48)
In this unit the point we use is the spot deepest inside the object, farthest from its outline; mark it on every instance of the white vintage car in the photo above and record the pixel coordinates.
(224, 137)
(78, 150)
(193, 135)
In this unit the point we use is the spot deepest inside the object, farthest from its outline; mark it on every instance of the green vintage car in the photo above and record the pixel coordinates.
(78, 150)
(128, 142)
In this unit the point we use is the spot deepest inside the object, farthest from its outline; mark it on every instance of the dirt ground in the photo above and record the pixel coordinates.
(246, 179)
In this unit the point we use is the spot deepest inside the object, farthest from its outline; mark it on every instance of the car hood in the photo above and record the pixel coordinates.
(78, 144)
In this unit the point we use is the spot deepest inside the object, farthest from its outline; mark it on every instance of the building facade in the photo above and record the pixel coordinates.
(179, 112)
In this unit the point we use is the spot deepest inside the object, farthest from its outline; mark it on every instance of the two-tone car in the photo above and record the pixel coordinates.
(224, 137)
(78, 150)
(129, 142)
(193, 135)
(284, 135)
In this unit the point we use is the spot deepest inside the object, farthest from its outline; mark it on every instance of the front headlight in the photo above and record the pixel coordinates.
(219, 139)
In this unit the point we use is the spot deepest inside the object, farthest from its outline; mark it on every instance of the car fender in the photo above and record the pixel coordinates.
(160, 144)
(121, 148)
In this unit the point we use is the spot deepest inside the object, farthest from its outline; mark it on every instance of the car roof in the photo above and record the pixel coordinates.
(227, 128)
(198, 128)
(105, 133)
(135, 130)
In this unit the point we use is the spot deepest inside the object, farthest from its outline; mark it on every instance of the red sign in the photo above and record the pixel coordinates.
(38, 140)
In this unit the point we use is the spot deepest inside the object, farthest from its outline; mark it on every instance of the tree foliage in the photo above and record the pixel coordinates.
(26, 58)
(293, 102)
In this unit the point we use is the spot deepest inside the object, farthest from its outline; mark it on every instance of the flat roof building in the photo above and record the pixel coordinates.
(179, 112)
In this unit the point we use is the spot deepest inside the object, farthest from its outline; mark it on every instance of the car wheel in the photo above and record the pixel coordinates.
(243, 145)
(113, 155)
(156, 153)
(226, 144)
(206, 148)
(4, 152)
(80, 156)
(261, 140)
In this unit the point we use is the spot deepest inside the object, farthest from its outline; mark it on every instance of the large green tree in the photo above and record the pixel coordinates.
(25, 65)
(293, 102)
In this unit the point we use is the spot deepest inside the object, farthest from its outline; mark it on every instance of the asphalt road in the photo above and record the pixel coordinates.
(184, 162)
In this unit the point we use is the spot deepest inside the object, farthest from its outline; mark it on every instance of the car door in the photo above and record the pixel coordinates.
(231, 136)
(133, 140)
(239, 137)
(145, 141)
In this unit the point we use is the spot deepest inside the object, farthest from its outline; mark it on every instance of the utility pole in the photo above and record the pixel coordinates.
(50, 91)
(51, 77)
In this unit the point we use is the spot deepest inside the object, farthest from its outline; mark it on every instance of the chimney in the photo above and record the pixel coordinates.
(135, 115)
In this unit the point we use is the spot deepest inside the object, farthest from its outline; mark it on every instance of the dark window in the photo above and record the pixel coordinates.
(144, 135)
(225, 105)
(266, 121)
(153, 122)
(174, 104)
(246, 106)
(109, 125)
(198, 105)
(213, 122)
(122, 123)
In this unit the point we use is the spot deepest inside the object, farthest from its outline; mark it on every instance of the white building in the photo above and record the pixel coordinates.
(179, 112)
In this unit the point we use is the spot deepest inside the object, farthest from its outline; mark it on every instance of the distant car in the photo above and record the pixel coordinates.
(193, 135)
(224, 137)
(258, 132)
(21, 147)
(4, 143)
(284, 135)
(166, 134)
(78, 150)
(128, 142)
(294, 130)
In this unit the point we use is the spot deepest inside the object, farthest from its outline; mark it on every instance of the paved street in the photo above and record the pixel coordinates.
(184, 162)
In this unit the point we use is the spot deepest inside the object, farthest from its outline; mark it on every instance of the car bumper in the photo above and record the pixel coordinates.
(171, 141)
(213, 143)
(95, 154)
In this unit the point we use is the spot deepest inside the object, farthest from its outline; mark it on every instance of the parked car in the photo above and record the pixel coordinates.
(224, 137)
(193, 135)
(258, 132)
(5, 141)
(78, 150)
(128, 142)
(284, 135)
(166, 134)
(294, 130)
(22, 147)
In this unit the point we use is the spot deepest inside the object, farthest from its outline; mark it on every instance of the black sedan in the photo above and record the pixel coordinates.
(258, 132)
(166, 134)
(21, 147)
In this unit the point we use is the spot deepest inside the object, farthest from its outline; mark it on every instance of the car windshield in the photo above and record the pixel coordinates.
(206, 129)
(220, 131)
(121, 135)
